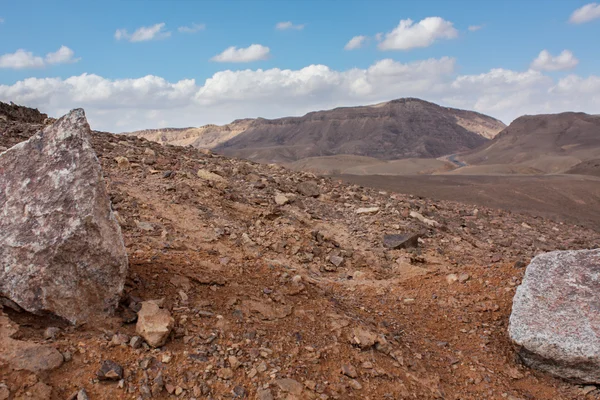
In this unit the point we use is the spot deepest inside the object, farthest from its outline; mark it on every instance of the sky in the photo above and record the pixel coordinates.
(135, 65)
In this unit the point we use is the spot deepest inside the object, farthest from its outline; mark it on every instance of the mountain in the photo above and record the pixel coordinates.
(548, 143)
(404, 128)
(204, 137)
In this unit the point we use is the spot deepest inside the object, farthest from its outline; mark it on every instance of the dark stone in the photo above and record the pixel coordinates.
(401, 241)
(110, 371)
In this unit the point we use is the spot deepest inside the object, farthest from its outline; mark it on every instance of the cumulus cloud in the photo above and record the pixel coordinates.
(192, 28)
(144, 33)
(64, 55)
(584, 14)
(282, 26)
(408, 35)
(355, 43)
(22, 59)
(546, 62)
(128, 104)
(474, 28)
(251, 53)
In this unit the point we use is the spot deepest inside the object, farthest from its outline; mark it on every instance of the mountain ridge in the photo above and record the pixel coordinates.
(399, 128)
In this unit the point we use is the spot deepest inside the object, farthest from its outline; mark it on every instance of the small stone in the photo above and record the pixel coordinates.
(40, 391)
(166, 358)
(178, 390)
(122, 162)
(264, 394)
(51, 333)
(225, 373)
(281, 200)
(336, 260)
(349, 371)
(210, 176)
(136, 342)
(424, 220)
(363, 338)
(462, 278)
(354, 384)
(82, 395)
(234, 362)
(309, 189)
(149, 152)
(5, 393)
(110, 371)
(119, 339)
(401, 241)
(154, 324)
(452, 278)
(290, 386)
(145, 391)
(367, 210)
(239, 392)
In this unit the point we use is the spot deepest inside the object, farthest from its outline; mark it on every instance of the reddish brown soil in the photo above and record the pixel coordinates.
(234, 253)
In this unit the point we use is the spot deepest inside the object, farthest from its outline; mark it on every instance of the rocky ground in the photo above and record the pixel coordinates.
(281, 288)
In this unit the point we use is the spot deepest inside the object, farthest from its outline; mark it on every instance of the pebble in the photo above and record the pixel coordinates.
(110, 371)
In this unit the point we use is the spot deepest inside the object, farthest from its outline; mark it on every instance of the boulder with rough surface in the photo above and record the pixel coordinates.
(555, 320)
(61, 249)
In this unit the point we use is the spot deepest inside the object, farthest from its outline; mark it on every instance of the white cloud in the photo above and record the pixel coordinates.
(64, 55)
(355, 43)
(545, 62)
(475, 28)
(282, 26)
(1, 20)
(144, 33)
(22, 59)
(408, 35)
(587, 13)
(151, 101)
(251, 53)
(192, 28)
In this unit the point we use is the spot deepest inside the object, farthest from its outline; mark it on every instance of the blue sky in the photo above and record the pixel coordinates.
(175, 78)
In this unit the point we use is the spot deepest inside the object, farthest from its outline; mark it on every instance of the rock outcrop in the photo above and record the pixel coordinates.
(555, 321)
(61, 249)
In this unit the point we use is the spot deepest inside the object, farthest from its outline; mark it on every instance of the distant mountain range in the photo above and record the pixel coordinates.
(404, 128)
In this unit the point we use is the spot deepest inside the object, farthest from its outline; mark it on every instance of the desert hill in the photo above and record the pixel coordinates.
(551, 143)
(401, 128)
(204, 137)
(404, 128)
(282, 285)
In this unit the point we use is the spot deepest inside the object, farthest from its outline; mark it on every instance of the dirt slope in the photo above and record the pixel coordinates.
(260, 305)
(550, 143)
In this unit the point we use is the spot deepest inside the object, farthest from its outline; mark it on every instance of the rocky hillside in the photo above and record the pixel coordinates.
(283, 285)
(401, 128)
(552, 143)
(204, 137)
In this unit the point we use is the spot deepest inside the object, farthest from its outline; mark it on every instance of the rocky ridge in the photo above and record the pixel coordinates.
(400, 128)
(283, 284)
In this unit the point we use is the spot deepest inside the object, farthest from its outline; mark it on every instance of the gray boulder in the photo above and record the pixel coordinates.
(555, 320)
(61, 249)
